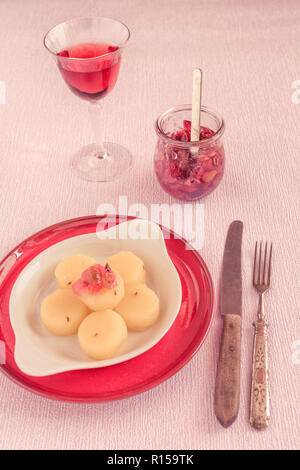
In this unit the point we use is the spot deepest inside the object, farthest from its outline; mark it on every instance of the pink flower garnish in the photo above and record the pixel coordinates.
(109, 277)
(94, 279)
(187, 126)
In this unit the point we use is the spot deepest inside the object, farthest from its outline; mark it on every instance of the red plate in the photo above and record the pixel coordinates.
(123, 380)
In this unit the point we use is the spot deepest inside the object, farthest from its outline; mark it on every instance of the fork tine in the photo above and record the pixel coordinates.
(254, 266)
(259, 264)
(265, 262)
(270, 259)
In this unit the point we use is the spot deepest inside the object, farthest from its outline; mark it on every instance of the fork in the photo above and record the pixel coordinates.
(260, 400)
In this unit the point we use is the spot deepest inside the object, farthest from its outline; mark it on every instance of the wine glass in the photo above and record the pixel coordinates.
(88, 53)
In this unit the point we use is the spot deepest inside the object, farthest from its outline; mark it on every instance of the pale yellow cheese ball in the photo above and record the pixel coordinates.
(139, 308)
(62, 312)
(101, 334)
(129, 266)
(70, 269)
(106, 297)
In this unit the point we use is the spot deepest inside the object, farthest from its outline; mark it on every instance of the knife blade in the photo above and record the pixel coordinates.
(227, 388)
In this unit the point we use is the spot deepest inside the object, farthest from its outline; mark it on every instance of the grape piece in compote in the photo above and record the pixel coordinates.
(183, 134)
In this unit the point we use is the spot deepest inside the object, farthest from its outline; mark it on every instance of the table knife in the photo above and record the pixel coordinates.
(227, 387)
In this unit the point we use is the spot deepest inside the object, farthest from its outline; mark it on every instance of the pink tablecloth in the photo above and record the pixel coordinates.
(249, 52)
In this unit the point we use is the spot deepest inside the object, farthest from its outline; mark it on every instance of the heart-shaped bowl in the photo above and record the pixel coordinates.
(39, 353)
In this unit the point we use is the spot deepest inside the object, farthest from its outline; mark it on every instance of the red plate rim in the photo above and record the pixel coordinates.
(140, 388)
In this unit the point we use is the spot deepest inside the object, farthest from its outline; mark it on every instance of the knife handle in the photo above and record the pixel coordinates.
(227, 389)
(259, 404)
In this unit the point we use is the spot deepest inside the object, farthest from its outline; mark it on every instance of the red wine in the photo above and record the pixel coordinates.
(90, 79)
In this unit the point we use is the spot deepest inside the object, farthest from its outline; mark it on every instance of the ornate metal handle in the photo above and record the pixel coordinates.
(260, 403)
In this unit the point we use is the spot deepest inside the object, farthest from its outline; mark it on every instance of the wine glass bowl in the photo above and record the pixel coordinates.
(88, 53)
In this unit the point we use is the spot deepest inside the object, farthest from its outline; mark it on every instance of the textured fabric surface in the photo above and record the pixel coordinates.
(249, 52)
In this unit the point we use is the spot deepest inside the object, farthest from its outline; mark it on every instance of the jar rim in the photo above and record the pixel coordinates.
(188, 107)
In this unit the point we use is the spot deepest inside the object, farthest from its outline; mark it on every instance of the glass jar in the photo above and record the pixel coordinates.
(189, 170)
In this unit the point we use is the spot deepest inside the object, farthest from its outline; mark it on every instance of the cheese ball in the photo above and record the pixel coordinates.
(105, 298)
(70, 269)
(101, 334)
(62, 312)
(129, 266)
(139, 308)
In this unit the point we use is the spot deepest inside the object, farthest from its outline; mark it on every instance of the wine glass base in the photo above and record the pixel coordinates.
(90, 164)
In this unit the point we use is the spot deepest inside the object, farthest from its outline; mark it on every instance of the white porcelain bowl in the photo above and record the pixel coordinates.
(39, 353)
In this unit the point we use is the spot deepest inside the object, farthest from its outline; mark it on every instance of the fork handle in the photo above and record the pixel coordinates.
(260, 401)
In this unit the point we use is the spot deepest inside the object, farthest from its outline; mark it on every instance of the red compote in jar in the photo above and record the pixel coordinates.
(189, 170)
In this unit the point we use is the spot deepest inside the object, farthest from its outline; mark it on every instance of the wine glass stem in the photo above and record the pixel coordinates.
(96, 118)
